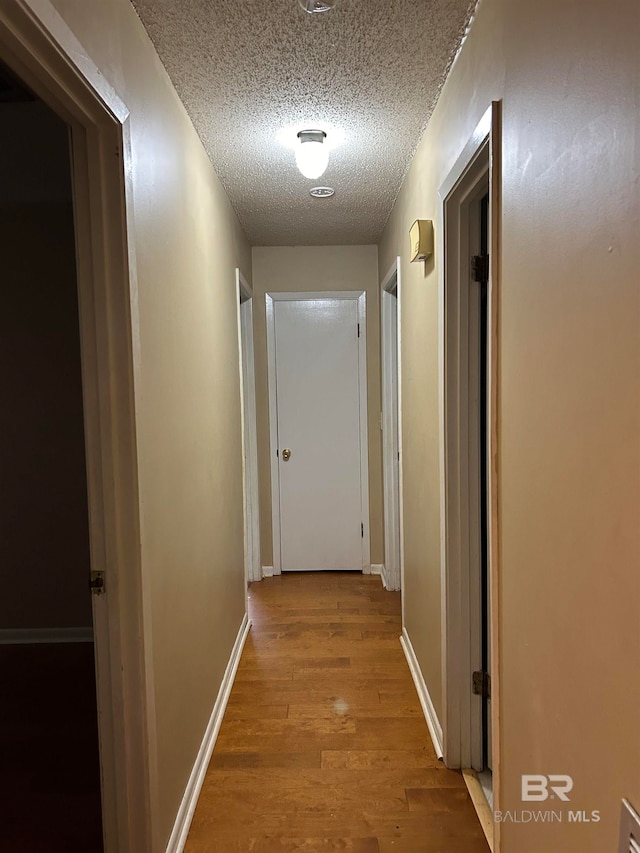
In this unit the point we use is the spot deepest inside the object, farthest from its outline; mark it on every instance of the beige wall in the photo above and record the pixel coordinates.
(187, 244)
(569, 411)
(309, 268)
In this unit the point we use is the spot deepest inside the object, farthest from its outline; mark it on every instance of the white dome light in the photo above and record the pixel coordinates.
(312, 155)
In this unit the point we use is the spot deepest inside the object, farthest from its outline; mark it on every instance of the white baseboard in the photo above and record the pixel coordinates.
(377, 568)
(391, 580)
(267, 571)
(192, 792)
(435, 729)
(27, 636)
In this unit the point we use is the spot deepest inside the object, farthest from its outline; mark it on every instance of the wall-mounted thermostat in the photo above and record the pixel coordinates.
(421, 236)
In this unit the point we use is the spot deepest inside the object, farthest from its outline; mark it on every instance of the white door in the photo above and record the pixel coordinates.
(317, 383)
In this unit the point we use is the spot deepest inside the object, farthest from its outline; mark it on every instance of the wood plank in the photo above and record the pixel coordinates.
(256, 778)
(436, 800)
(342, 708)
(324, 745)
(273, 845)
(246, 711)
(378, 759)
(271, 760)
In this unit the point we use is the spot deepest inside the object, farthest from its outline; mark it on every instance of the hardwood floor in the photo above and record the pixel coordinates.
(324, 745)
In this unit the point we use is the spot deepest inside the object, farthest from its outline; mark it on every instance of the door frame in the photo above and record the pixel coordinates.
(244, 301)
(393, 576)
(360, 297)
(459, 594)
(37, 44)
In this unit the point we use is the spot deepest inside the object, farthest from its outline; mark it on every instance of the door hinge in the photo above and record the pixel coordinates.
(361, 530)
(96, 583)
(480, 268)
(358, 329)
(482, 684)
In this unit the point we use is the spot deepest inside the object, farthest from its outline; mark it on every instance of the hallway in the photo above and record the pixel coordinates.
(324, 745)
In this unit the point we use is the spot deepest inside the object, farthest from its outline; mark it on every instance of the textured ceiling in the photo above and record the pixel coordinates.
(368, 72)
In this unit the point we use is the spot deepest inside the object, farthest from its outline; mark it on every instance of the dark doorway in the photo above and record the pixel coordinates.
(484, 477)
(50, 769)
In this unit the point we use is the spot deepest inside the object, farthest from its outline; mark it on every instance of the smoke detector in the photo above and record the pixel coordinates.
(312, 6)
(322, 192)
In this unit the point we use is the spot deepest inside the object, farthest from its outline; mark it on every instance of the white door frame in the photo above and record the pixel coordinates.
(390, 289)
(244, 301)
(459, 593)
(360, 297)
(42, 50)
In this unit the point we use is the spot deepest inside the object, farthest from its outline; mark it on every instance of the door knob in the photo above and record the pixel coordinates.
(286, 454)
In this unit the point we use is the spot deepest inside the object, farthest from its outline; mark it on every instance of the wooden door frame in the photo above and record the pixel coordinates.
(244, 301)
(360, 297)
(393, 578)
(457, 646)
(37, 44)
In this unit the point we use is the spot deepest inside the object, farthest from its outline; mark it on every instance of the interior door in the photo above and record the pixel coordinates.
(318, 428)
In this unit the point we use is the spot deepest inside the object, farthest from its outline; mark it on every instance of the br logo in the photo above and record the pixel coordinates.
(539, 788)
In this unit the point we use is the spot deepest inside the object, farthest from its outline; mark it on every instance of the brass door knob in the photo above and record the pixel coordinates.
(286, 454)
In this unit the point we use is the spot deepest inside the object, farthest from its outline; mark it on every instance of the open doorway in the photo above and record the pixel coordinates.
(391, 438)
(40, 49)
(478, 414)
(49, 731)
(468, 429)
(252, 560)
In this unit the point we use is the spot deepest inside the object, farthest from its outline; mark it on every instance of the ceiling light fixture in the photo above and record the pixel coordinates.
(312, 6)
(312, 155)
(322, 192)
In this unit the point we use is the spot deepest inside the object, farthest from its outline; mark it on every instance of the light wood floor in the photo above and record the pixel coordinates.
(324, 745)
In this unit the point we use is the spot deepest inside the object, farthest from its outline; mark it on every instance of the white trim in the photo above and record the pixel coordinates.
(364, 432)
(270, 299)
(194, 785)
(28, 636)
(43, 51)
(399, 296)
(433, 723)
(268, 572)
(460, 595)
(377, 569)
(386, 580)
(390, 425)
(478, 138)
(273, 434)
(244, 299)
(298, 296)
